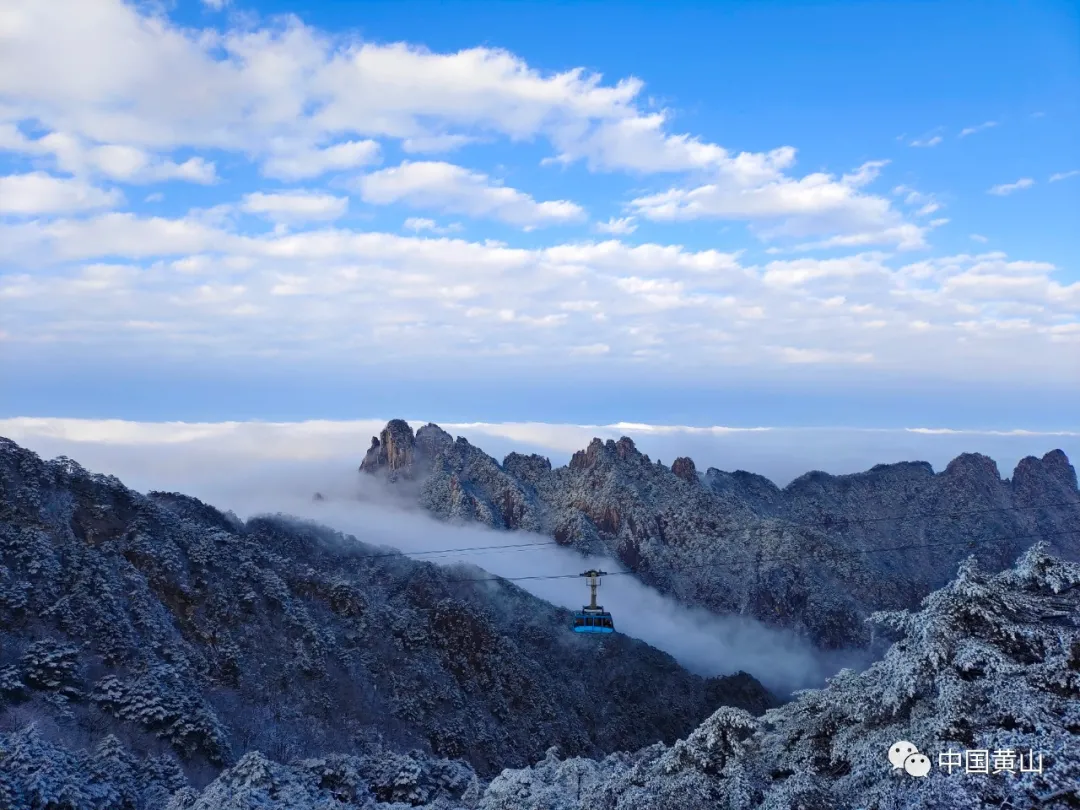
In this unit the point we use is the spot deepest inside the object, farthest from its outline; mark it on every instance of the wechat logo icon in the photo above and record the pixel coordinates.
(904, 755)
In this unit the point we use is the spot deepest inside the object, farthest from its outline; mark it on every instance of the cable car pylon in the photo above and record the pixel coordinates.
(592, 618)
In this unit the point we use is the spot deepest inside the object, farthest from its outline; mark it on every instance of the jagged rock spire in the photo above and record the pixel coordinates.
(397, 452)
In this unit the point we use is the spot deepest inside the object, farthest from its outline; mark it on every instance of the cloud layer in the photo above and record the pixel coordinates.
(310, 208)
(452, 189)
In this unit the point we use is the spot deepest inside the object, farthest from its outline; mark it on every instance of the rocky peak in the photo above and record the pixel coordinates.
(685, 469)
(740, 479)
(398, 440)
(529, 468)
(587, 458)
(625, 449)
(601, 452)
(391, 451)
(1053, 471)
(432, 440)
(371, 457)
(973, 465)
(396, 452)
(809, 483)
(913, 469)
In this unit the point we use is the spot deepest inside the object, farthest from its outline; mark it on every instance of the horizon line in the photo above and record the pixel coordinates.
(642, 427)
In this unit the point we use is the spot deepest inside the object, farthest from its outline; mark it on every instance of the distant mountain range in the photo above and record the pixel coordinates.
(818, 556)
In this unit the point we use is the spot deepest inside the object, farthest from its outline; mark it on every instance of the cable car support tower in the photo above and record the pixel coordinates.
(593, 618)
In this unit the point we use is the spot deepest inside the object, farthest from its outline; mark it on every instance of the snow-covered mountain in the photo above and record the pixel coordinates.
(818, 556)
(156, 653)
(195, 638)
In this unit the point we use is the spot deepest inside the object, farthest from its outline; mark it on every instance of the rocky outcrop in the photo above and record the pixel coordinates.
(392, 451)
(466, 484)
(397, 454)
(684, 468)
(817, 556)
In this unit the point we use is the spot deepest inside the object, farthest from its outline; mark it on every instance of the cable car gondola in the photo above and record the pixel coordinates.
(592, 618)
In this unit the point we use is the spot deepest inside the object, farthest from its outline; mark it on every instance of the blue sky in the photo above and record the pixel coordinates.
(854, 213)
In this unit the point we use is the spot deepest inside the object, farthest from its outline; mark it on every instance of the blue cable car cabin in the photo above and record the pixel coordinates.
(592, 618)
(588, 622)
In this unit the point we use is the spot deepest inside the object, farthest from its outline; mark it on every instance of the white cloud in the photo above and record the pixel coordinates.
(638, 142)
(295, 206)
(119, 234)
(435, 143)
(591, 349)
(622, 226)
(111, 71)
(927, 203)
(127, 164)
(124, 95)
(864, 174)
(800, 271)
(130, 165)
(927, 141)
(41, 193)
(1054, 178)
(1008, 188)
(211, 292)
(976, 237)
(756, 190)
(989, 284)
(453, 189)
(215, 5)
(818, 356)
(279, 93)
(305, 163)
(978, 128)
(111, 75)
(418, 224)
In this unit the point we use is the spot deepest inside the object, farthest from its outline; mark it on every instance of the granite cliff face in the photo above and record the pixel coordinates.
(397, 453)
(180, 639)
(818, 555)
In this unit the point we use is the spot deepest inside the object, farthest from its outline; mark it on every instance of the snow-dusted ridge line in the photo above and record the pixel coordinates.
(803, 557)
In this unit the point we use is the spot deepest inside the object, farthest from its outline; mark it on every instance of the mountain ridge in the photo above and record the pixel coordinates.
(818, 555)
